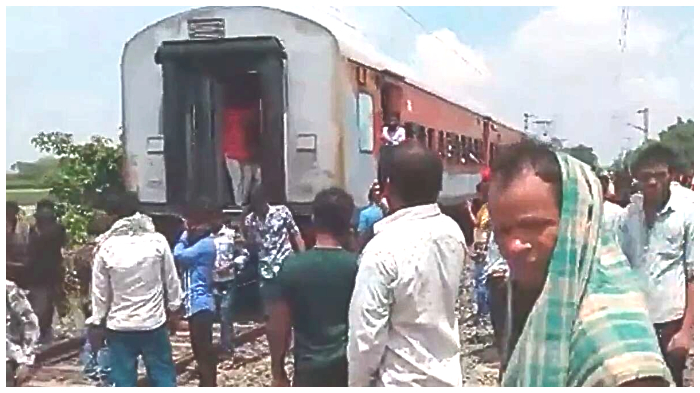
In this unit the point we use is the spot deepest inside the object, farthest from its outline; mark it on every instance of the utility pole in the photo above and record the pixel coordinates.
(527, 117)
(645, 129)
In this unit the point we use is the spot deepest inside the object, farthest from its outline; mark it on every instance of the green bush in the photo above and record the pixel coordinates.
(85, 171)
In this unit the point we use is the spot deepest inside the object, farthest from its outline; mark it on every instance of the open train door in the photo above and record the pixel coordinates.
(194, 78)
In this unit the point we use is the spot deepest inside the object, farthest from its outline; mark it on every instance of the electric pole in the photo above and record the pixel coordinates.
(644, 129)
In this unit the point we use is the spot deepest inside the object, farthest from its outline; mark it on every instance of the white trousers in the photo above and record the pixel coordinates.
(243, 174)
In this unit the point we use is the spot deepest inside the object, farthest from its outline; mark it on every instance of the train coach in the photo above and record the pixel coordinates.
(322, 103)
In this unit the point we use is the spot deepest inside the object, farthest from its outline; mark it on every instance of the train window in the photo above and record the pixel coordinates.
(463, 149)
(441, 143)
(492, 152)
(478, 121)
(431, 138)
(422, 136)
(365, 122)
(450, 145)
(410, 130)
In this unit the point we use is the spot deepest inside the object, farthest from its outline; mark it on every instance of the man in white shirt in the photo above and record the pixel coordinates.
(402, 320)
(392, 133)
(657, 236)
(132, 278)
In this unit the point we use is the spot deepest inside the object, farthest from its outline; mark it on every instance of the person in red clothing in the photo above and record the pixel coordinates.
(242, 140)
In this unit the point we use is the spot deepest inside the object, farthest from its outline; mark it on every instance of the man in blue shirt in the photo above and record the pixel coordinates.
(371, 214)
(195, 254)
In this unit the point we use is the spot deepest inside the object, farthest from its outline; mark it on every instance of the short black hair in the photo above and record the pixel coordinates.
(333, 209)
(258, 193)
(202, 209)
(11, 208)
(46, 204)
(528, 154)
(655, 153)
(124, 204)
(415, 173)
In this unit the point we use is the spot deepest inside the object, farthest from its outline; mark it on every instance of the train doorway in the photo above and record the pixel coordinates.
(223, 101)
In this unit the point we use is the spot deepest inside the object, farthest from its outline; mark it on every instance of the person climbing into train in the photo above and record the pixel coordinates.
(135, 293)
(576, 315)
(195, 255)
(311, 294)
(403, 329)
(21, 336)
(241, 139)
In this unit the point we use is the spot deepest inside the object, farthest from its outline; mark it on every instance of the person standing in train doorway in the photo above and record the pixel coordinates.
(242, 139)
(392, 135)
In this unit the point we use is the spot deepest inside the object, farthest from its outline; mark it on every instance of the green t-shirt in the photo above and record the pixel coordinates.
(318, 286)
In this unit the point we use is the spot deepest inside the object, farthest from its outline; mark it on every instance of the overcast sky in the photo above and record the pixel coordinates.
(564, 64)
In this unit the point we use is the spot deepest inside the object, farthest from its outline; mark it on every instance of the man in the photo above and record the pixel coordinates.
(242, 140)
(133, 268)
(195, 254)
(271, 234)
(231, 256)
(17, 237)
(312, 295)
(482, 230)
(392, 135)
(657, 236)
(44, 273)
(576, 317)
(611, 211)
(373, 211)
(403, 326)
(21, 335)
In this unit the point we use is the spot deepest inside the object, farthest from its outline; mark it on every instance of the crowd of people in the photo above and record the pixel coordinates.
(580, 291)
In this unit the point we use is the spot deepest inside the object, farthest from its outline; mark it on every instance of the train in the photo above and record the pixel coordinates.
(323, 101)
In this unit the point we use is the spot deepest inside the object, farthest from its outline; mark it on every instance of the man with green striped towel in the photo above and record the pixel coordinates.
(576, 316)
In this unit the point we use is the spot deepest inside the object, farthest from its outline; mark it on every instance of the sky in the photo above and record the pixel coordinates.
(564, 64)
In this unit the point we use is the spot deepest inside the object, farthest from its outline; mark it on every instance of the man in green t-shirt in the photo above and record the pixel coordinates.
(312, 294)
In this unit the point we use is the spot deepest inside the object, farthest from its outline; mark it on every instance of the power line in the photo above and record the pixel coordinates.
(408, 14)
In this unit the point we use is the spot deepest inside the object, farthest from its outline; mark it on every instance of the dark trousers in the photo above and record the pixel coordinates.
(333, 375)
(153, 346)
(41, 298)
(386, 154)
(201, 339)
(10, 370)
(498, 305)
(665, 332)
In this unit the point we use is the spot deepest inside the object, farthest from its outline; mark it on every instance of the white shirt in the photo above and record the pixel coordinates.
(662, 255)
(403, 323)
(129, 277)
(395, 138)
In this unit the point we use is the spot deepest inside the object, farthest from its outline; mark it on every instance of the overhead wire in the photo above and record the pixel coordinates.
(459, 55)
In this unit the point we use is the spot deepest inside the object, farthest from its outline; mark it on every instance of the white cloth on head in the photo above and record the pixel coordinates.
(133, 276)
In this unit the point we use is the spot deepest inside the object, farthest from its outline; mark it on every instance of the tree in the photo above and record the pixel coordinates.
(85, 171)
(680, 138)
(584, 154)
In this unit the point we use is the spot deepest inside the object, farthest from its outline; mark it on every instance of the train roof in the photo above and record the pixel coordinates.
(352, 44)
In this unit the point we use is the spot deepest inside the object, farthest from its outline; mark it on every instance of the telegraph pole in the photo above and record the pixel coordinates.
(645, 129)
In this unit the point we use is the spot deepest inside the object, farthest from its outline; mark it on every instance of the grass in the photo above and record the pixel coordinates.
(25, 197)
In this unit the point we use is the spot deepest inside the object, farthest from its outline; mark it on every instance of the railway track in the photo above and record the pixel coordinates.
(59, 364)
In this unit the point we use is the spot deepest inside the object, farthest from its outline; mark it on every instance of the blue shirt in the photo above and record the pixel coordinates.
(368, 217)
(196, 261)
(663, 254)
